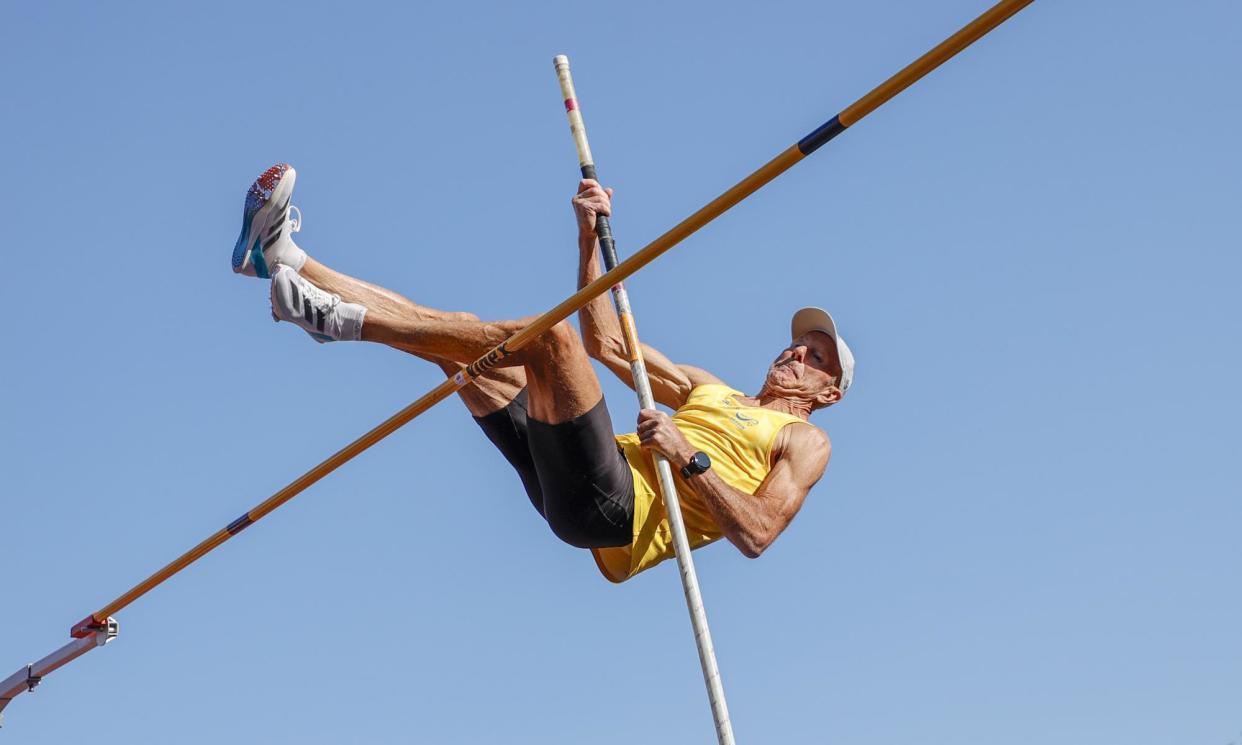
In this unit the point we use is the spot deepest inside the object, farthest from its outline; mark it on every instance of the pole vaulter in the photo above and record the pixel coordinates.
(100, 627)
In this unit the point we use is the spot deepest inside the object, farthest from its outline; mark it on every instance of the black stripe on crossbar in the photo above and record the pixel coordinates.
(239, 524)
(821, 135)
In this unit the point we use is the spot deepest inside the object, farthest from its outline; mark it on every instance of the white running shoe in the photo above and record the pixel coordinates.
(268, 225)
(319, 313)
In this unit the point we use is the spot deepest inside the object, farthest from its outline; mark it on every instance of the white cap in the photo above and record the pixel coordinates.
(817, 319)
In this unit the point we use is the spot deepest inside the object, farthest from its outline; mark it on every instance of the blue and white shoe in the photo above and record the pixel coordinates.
(268, 225)
(319, 313)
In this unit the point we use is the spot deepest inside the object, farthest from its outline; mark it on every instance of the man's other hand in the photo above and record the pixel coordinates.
(657, 432)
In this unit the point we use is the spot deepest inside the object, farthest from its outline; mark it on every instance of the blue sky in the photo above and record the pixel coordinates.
(1029, 531)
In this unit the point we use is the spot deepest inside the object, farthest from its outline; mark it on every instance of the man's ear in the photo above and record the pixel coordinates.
(828, 397)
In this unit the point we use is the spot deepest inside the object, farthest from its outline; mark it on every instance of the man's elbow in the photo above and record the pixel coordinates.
(604, 350)
(592, 345)
(752, 545)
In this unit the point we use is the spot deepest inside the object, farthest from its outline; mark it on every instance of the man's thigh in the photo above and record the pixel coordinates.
(587, 485)
(573, 472)
(559, 375)
(507, 429)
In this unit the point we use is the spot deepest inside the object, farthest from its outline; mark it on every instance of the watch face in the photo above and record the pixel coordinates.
(699, 463)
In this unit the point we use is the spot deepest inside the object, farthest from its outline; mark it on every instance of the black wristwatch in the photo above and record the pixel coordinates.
(699, 463)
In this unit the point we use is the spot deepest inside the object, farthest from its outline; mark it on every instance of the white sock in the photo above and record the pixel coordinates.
(350, 317)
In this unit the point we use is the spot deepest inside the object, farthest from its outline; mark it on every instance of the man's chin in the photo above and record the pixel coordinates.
(777, 382)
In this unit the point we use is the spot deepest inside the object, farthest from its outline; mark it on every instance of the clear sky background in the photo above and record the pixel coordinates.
(1030, 531)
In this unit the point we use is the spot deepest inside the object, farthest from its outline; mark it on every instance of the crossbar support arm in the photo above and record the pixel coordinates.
(26, 678)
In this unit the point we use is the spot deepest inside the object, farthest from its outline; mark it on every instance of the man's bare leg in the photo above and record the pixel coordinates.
(489, 393)
(558, 372)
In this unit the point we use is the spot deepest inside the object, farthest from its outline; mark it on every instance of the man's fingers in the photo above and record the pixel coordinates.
(597, 202)
(592, 188)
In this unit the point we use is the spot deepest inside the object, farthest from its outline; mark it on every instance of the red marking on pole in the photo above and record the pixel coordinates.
(570, 104)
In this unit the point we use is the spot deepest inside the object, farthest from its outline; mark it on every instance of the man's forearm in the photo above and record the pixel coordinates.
(601, 331)
(736, 512)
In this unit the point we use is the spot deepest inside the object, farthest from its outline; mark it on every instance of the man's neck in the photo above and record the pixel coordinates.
(776, 402)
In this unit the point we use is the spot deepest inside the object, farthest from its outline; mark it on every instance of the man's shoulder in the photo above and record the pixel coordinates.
(700, 377)
(803, 439)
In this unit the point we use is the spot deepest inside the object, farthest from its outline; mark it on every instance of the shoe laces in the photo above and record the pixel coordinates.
(295, 219)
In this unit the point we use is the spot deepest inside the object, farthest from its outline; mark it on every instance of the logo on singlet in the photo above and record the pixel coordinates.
(743, 422)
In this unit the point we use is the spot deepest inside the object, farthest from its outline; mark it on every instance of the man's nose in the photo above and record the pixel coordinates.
(799, 352)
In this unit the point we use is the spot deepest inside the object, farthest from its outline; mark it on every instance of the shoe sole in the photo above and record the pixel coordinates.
(273, 188)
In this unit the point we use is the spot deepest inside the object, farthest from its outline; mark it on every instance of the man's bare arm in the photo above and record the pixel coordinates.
(751, 522)
(601, 331)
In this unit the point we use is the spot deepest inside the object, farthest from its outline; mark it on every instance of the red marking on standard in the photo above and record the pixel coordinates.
(570, 104)
(83, 628)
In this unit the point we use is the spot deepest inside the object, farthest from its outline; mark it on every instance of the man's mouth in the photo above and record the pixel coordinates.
(785, 367)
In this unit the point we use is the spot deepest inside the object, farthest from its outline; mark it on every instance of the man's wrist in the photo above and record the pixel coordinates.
(679, 459)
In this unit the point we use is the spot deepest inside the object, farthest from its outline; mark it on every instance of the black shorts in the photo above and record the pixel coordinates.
(574, 472)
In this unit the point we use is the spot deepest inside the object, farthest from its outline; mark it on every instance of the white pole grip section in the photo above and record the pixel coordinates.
(576, 126)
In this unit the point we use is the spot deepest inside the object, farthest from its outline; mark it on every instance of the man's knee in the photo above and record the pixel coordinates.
(563, 336)
(558, 349)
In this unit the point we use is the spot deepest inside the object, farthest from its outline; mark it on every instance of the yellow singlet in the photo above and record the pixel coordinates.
(737, 438)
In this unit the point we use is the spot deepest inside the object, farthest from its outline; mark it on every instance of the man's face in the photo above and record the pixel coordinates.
(808, 367)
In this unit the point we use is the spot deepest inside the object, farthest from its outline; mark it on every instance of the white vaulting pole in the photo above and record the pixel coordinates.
(689, 580)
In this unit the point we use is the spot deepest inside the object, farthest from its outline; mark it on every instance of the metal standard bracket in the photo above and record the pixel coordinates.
(32, 680)
(25, 679)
